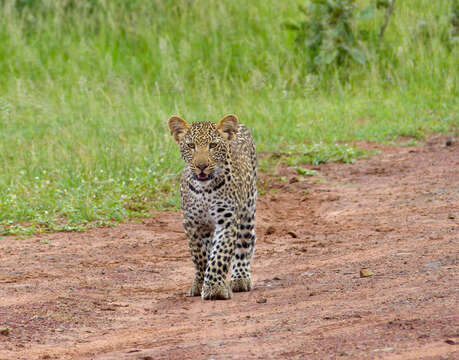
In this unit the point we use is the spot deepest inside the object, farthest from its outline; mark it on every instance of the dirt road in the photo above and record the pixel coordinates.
(120, 293)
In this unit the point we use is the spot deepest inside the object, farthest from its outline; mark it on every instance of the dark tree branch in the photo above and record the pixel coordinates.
(389, 11)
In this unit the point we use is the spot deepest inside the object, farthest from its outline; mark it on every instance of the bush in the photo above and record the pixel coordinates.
(326, 35)
(331, 35)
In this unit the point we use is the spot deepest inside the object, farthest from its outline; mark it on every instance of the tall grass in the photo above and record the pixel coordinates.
(86, 88)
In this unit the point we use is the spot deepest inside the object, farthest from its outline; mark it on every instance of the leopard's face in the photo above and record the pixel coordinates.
(204, 146)
(204, 150)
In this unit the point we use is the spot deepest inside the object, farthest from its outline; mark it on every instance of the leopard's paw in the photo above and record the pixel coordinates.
(216, 292)
(241, 285)
(196, 288)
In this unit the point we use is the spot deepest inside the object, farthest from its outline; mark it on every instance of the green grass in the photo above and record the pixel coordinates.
(86, 88)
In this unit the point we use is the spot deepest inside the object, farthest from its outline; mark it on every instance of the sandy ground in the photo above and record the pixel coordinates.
(120, 293)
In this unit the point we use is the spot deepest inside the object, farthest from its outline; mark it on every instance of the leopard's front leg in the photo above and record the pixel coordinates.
(245, 245)
(200, 238)
(219, 260)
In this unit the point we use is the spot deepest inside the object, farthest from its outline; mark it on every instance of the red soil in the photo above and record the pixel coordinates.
(120, 293)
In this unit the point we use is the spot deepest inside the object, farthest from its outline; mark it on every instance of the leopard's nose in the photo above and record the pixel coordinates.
(201, 166)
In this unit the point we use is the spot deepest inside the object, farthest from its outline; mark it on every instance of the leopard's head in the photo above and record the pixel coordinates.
(204, 145)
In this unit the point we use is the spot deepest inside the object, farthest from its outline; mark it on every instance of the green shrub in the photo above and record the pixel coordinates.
(336, 32)
(327, 35)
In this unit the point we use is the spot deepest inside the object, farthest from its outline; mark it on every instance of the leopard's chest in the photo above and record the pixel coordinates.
(217, 193)
(204, 198)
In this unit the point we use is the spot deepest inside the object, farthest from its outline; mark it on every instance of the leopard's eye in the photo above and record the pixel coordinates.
(212, 145)
(191, 146)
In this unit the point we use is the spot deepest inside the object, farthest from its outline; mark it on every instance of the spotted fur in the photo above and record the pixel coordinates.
(218, 196)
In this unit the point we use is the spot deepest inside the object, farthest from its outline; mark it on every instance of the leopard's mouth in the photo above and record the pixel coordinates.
(203, 176)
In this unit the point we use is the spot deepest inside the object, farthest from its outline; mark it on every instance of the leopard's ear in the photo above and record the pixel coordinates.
(178, 128)
(228, 126)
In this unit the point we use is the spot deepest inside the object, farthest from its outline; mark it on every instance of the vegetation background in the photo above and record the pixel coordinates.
(86, 88)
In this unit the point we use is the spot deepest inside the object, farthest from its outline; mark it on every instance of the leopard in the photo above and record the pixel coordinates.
(218, 194)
